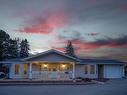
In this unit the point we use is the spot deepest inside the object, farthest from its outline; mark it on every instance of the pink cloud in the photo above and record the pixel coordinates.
(45, 25)
(123, 7)
(88, 46)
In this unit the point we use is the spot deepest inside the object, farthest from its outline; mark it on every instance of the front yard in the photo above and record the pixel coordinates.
(111, 87)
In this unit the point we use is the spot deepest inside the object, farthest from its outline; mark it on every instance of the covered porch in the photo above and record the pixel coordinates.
(43, 70)
(51, 70)
(47, 65)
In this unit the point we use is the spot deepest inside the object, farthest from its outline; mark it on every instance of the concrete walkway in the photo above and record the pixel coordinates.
(112, 87)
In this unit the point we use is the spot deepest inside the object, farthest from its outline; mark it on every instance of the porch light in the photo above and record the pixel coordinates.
(45, 65)
(63, 65)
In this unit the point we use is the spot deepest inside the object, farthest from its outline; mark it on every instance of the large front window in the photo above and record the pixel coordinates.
(17, 68)
(86, 69)
(25, 68)
(92, 69)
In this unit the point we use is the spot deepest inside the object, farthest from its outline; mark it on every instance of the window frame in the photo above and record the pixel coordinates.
(25, 68)
(17, 69)
(86, 68)
(92, 70)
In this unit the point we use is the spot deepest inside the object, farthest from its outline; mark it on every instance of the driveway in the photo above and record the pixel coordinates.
(112, 87)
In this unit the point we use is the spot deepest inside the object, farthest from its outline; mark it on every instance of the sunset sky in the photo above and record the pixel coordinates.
(97, 28)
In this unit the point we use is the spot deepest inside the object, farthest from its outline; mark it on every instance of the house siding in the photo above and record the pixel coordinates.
(12, 71)
(79, 71)
(89, 75)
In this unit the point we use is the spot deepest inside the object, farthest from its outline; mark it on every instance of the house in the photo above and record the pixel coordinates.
(53, 64)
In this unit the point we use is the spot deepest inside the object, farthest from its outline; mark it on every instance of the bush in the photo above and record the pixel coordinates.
(2, 75)
(87, 79)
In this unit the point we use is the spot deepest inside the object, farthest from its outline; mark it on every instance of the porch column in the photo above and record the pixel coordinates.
(30, 71)
(95, 70)
(89, 75)
(123, 72)
(73, 74)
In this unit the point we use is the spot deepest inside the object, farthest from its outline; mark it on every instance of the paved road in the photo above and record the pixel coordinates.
(112, 87)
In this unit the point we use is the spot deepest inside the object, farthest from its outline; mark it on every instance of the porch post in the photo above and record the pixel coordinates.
(30, 71)
(123, 67)
(73, 74)
(95, 71)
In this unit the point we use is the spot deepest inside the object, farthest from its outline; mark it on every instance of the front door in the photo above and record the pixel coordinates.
(100, 71)
(54, 72)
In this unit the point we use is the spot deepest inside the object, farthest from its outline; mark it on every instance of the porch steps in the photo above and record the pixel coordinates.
(33, 82)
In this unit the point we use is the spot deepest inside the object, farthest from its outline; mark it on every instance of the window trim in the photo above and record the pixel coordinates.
(92, 71)
(25, 66)
(86, 67)
(17, 69)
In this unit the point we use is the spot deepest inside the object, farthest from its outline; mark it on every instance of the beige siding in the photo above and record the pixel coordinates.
(79, 71)
(21, 73)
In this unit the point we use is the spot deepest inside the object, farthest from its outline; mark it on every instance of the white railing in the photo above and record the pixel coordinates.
(51, 75)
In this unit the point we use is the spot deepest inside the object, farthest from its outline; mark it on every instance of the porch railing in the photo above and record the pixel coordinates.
(51, 75)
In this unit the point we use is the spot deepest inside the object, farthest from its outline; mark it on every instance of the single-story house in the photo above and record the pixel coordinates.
(53, 64)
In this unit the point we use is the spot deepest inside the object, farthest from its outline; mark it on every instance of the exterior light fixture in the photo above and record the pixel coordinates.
(63, 65)
(45, 65)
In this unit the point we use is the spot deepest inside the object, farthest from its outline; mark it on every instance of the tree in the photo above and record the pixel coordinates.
(6, 49)
(69, 50)
(24, 48)
(13, 48)
(4, 38)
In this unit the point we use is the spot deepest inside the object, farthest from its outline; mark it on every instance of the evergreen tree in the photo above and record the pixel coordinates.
(18, 46)
(6, 53)
(4, 38)
(69, 49)
(24, 48)
(13, 48)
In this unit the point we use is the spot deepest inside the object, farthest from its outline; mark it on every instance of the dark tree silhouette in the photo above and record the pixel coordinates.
(13, 48)
(24, 48)
(4, 42)
(69, 50)
(4, 38)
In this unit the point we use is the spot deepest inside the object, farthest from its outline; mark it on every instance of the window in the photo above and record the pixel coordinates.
(17, 68)
(25, 68)
(86, 69)
(92, 69)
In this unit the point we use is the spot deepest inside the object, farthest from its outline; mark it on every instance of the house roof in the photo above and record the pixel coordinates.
(101, 61)
(80, 61)
(51, 51)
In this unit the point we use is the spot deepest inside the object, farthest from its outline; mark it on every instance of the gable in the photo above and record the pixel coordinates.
(51, 57)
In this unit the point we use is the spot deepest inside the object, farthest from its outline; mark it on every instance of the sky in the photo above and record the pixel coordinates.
(97, 28)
